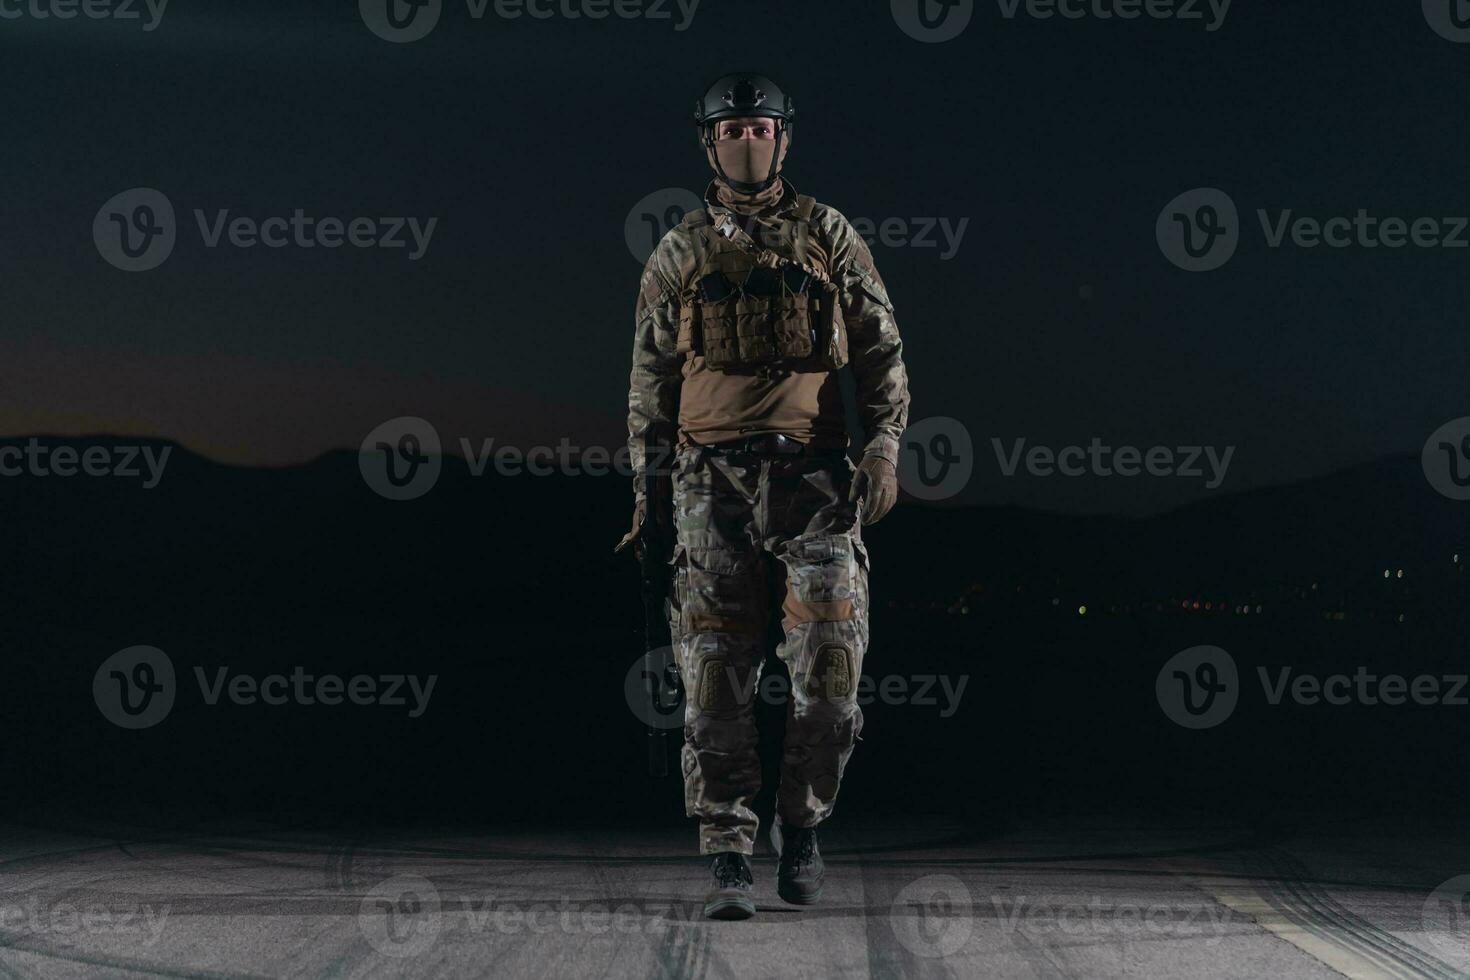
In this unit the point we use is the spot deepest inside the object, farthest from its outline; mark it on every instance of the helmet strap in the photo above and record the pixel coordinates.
(745, 186)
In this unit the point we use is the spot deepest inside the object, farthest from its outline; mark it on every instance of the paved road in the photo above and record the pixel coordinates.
(1080, 899)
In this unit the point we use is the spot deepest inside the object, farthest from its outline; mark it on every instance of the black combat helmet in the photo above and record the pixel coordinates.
(745, 93)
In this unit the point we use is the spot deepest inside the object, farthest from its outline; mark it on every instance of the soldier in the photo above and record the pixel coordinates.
(746, 311)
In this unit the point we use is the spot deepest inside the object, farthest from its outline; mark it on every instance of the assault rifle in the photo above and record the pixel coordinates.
(653, 547)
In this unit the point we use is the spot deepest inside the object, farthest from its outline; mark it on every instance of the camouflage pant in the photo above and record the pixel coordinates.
(754, 532)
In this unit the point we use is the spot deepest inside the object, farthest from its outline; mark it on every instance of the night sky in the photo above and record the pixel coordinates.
(1058, 318)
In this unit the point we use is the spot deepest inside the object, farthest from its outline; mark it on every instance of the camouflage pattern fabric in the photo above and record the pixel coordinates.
(760, 536)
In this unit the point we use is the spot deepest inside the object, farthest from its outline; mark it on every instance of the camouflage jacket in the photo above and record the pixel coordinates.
(874, 347)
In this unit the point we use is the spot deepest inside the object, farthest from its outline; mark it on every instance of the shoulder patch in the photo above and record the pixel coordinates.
(862, 260)
(651, 288)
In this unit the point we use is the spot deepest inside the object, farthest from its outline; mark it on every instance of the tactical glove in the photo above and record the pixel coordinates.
(639, 510)
(875, 484)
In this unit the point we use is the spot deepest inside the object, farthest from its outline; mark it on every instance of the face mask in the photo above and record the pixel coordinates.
(747, 161)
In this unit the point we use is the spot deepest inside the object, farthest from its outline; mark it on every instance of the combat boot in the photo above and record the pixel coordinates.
(800, 871)
(730, 898)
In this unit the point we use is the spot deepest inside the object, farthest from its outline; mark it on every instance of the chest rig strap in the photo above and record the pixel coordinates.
(795, 232)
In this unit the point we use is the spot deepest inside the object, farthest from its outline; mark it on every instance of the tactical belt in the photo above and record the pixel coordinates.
(771, 444)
